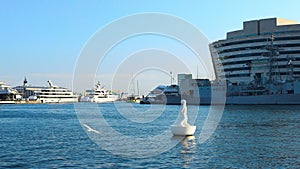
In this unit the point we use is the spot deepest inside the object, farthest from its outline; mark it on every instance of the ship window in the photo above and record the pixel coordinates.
(290, 91)
(236, 69)
(262, 39)
(237, 75)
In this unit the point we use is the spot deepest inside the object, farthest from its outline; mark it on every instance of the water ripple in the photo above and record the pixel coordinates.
(50, 136)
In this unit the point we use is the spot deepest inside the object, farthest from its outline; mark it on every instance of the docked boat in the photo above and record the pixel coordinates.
(99, 95)
(48, 94)
(133, 99)
(169, 95)
(55, 94)
(7, 94)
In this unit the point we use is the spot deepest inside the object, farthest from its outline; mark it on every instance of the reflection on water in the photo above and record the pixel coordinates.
(50, 136)
(188, 150)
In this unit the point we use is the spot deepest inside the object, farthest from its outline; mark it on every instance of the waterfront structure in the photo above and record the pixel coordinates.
(266, 49)
(260, 63)
(182, 77)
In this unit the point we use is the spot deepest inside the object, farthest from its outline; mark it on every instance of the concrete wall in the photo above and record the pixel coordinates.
(263, 26)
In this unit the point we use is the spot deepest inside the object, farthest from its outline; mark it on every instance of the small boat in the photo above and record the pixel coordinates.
(133, 99)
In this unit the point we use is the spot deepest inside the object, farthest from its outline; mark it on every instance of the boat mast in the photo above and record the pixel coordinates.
(273, 53)
(197, 72)
(132, 87)
(137, 86)
(171, 77)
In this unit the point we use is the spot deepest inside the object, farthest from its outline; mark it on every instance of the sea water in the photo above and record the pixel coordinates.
(51, 136)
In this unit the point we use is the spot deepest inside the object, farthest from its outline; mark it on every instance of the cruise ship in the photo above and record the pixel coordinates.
(99, 95)
(49, 94)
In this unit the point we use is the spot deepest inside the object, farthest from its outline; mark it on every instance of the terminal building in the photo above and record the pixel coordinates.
(264, 49)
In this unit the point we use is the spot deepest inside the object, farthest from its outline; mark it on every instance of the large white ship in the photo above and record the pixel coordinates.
(99, 95)
(49, 94)
(55, 94)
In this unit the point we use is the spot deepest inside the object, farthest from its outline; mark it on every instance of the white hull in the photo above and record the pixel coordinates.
(95, 99)
(84, 99)
(58, 100)
(7, 102)
(99, 95)
(104, 100)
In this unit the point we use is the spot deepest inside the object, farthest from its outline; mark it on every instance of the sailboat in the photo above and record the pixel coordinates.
(133, 98)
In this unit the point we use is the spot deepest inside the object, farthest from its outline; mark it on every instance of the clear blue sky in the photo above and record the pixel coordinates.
(42, 39)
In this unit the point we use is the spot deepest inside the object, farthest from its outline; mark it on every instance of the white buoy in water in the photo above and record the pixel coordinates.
(181, 126)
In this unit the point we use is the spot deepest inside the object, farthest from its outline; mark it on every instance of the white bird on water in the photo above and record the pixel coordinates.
(90, 129)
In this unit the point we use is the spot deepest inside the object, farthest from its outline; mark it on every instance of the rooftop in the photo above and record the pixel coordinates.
(263, 27)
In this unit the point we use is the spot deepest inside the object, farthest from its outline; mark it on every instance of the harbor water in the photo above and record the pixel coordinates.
(51, 136)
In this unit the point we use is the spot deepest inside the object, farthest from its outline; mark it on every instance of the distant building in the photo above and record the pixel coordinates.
(182, 77)
(26, 91)
(245, 54)
(190, 86)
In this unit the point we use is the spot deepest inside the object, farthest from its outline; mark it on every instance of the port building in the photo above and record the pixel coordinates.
(264, 49)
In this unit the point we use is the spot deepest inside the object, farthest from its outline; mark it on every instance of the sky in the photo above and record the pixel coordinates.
(42, 40)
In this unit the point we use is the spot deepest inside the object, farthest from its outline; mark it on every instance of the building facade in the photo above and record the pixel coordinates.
(268, 49)
(182, 77)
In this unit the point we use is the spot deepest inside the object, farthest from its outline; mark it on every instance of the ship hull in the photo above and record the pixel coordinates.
(58, 100)
(282, 99)
(95, 99)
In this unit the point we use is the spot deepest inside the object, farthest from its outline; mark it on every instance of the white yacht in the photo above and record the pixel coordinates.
(55, 94)
(50, 94)
(7, 94)
(99, 95)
